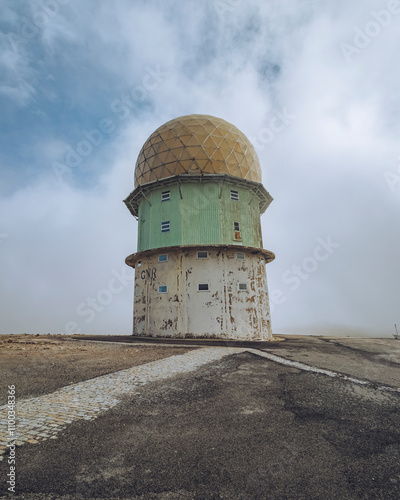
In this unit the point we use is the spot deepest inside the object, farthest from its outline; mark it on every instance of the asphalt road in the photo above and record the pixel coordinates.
(241, 428)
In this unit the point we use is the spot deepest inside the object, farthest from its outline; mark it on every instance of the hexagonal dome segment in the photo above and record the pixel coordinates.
(196, 144)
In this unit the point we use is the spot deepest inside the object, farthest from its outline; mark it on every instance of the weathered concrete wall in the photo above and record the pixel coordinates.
(222, 311)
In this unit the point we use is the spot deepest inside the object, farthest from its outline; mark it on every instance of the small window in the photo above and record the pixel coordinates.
(163, 258)
(234, 195)
(162, 289)
(240, 255)
(165, 226)
(202, 255)
(203, 287)
(236, 226)
(165, 195)
(139, 264)
(242, 287)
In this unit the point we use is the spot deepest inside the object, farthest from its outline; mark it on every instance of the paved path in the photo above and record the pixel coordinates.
(42, 418)
(313, 419)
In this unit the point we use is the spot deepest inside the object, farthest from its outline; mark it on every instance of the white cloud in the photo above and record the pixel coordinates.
(325, 169)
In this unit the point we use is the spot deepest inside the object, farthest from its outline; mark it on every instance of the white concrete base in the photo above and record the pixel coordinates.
(235, 306)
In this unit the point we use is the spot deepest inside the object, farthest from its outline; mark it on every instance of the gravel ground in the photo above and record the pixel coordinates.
(39, 365)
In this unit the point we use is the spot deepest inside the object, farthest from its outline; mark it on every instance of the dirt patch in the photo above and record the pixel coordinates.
(41, 364)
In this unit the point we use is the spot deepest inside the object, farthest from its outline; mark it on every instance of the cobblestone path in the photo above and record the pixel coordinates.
(43, 417)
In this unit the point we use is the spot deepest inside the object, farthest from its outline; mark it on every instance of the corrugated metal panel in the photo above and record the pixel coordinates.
(155, 212)
(144, 226)
(246, 212)
(199, 213)
(254, 229)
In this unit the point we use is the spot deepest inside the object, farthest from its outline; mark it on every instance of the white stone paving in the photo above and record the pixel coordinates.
(43, 417)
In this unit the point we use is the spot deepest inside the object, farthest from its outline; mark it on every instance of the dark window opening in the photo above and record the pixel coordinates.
(234, 195)
(165, 195)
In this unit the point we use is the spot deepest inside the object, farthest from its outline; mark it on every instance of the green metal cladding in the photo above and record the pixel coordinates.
(199, 214)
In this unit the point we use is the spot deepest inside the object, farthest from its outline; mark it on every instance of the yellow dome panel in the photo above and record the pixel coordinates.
(195, 144)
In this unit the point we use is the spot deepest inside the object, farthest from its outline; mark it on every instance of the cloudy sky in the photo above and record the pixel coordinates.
(313, 84)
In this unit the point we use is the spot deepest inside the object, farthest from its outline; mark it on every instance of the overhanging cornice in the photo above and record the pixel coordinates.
(132, 259)
(136, 196)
